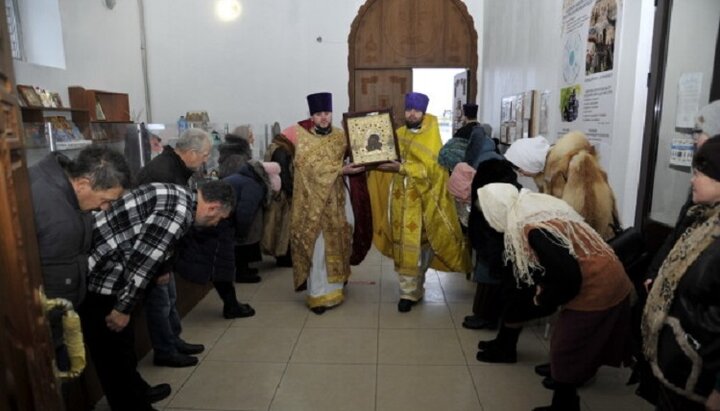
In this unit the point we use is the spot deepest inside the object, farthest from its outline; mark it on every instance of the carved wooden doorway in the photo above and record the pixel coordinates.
(389, 38)
(27, 381)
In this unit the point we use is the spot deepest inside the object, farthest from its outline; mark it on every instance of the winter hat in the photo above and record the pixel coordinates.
(707, 159)
(242, 131)
(273, 171)
(708, 120)
(319, 102)
(470, 110)
(417, 101)
(529, 154)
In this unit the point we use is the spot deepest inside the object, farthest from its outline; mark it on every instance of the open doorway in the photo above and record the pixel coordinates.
(439, 85)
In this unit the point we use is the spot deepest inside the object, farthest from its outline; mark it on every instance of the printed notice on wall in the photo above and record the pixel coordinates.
(688, 104)
(682, 148)
(588, 77)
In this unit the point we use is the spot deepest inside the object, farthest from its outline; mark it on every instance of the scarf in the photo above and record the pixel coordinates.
(512, 213)
(460, 181)
(686, 250)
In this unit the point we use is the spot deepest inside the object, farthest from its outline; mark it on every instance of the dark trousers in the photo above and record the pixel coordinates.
(113, 354)
(162, 317)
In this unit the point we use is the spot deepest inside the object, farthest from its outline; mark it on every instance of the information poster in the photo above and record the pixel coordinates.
(588, 78)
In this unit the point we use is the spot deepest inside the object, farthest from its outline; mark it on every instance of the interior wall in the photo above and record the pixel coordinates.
(516, 60)
(102, 51)
(257, 69)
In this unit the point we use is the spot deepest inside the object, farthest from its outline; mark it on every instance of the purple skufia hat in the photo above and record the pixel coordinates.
(470, 110)
(417, 101)
(319, 102)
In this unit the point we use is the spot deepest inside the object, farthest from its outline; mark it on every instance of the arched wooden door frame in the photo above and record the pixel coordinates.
(452, 32)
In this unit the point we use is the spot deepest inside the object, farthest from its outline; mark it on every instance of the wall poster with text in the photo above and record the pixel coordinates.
(588, 70)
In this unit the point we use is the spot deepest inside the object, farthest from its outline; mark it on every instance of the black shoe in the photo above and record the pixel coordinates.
(157, 393)
(543, 370)
(549, 383)
(248, 278)
(238, 311)
(498, 355)
(283, 261)
(485, 345)
(318, 310)
(474, 322)
(563, 402)
(176, 360)
(189, 349)
(405, 305)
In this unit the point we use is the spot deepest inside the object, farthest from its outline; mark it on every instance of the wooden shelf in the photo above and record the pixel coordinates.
(107, 105)
(38, 114)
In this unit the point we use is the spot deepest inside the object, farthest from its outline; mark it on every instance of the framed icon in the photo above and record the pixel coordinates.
(29, 96)
(371, 137)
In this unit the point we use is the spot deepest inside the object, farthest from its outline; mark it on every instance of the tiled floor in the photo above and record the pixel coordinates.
(363, 355)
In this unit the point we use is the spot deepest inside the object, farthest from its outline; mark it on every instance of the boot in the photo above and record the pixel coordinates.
(231, 307)
(564, 398)
(246, 274)
(501, 350)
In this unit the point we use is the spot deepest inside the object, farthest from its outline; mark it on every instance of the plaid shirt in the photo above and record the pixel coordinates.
(134, 237)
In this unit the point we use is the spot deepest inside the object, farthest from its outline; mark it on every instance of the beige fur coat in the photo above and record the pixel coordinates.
(573, 173)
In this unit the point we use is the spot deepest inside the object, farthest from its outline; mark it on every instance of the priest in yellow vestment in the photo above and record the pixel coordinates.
(414, 217)
(321, 218)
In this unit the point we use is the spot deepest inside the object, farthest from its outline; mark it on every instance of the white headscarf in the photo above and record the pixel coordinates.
(509, 211)
(529, 154)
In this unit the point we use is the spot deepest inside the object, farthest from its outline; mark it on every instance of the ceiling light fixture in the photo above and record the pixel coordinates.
(228, 10)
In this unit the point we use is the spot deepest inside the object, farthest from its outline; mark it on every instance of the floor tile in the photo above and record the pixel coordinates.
(326, 387)
(255, 344)
(425, 388)
(221, 385)
(419, 347)
(503, 387)
(350, 314)
(283, 314)
(423, 315)
(336, 345)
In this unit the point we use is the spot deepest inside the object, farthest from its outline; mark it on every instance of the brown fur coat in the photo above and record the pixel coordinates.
(573, 173)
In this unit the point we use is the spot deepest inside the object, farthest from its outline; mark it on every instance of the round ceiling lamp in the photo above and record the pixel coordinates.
(228, 10)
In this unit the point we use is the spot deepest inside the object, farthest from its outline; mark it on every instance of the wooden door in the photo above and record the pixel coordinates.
(27, 381)
(389, 38)
(382, 89)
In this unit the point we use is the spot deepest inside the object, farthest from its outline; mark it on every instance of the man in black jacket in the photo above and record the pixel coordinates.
(175, 166)
(64, 191)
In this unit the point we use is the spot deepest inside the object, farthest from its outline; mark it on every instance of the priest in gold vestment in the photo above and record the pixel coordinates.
(414, 217)
(321, 218)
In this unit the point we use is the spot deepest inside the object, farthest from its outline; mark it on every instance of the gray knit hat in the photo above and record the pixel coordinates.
(708, 120)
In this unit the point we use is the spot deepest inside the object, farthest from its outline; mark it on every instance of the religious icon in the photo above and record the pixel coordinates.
(371, 137)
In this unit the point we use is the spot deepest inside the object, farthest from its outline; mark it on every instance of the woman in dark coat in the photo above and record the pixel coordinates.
(553, 250)
(681, 319)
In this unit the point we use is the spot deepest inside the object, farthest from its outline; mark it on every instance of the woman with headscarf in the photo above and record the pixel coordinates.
(240, 144)
(681, 319)
(552, 249)
(483, 165)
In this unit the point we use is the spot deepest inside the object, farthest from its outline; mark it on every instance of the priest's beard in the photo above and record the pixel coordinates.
(413, 125)
(323, 131)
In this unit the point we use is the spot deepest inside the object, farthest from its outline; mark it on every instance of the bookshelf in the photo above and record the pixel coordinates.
(102, 106)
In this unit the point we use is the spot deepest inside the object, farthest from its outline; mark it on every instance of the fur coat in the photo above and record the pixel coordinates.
(573, 173)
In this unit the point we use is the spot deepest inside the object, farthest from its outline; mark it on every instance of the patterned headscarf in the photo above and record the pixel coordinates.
(510, 212)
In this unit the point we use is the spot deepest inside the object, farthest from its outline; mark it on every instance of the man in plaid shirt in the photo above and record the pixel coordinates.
(131, 240)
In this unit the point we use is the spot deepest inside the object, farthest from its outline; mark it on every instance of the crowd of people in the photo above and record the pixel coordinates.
(112, 243)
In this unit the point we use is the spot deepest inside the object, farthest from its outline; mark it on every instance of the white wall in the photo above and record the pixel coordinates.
(102, 51)
(525, 55)
(257, 69)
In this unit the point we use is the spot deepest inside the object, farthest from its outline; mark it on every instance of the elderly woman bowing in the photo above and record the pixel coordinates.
(552, 248)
